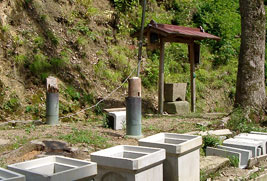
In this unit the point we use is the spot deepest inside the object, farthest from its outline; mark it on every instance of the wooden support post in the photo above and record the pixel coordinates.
(192, 75)
(161, 78)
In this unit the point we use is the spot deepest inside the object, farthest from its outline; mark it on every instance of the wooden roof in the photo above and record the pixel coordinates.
(173, 32)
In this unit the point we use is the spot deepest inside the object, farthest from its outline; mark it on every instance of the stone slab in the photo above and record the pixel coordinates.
(254, 146)
(55, 168)
(210, 151)
(211, 164)
(174, 92)
(255, 137)
(245, 154)
(118, 120)
(178, 107)
(220, 132)
(8, 175)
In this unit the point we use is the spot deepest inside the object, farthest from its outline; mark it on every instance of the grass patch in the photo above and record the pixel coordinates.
(87, 137)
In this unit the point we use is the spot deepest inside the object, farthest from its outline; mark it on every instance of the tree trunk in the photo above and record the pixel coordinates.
(250, 87)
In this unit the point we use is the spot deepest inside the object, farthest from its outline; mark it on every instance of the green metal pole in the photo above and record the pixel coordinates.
(52, 108)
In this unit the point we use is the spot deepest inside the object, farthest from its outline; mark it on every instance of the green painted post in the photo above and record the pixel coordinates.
(52, 101)
(134, 108)
(52, 108)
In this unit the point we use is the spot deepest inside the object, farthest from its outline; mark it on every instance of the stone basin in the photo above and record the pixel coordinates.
(10, 176)
(55, 168)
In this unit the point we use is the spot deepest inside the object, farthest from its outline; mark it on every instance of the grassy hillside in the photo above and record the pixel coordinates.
(86, 44)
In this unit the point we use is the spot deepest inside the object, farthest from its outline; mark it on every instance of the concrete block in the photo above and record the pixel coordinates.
(129, 163)
(260, 133)
(245, 154)
(182, 155)
(117, 119)
(254, 146)
(210, 151)
(174, 92)
(8, 175)
(55, 168)
(178, 107)
(220, 132)
(255, 137)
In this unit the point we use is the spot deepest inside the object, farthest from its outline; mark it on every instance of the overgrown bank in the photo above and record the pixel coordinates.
(87, 45)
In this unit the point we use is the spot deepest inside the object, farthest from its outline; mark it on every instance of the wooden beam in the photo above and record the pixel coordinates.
(161, 78)
(192, 75)
(178, 40)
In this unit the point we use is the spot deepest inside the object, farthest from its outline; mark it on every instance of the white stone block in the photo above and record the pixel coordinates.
(255, 137)
(8, 175)
(254, 146)
(119, 119)
(223, 153)
(182, 155)
(129, 163)
(55, 168)
(245, 154)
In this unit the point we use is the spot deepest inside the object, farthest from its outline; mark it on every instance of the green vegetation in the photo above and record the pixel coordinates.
(241, 122)
(88, 137)
(234, 161)
(211, 141)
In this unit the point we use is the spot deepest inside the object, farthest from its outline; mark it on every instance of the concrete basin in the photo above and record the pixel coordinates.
(10, 176)
(182, 155)
(129, 163)
(55, 168)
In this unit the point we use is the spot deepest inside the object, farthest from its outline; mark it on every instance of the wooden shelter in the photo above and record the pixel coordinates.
(158, 34)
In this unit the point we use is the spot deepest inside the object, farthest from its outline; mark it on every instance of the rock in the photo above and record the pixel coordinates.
(37, 122)
(4, 142)
(211, 164)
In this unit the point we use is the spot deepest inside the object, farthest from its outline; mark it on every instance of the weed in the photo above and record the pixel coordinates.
(234, 161)
(239, 122)
(52, 37)
(19, 142)
(21, 59)
(43, 17)
(60, 62)
(211, 141)
(12, 104)
(86, 136)
(40, 64)
(71, 91)
(204, 176)
(30, 128)
(4, 29)
(39, 42)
